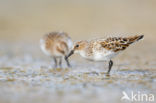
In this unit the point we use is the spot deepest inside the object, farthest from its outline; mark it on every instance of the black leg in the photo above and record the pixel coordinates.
(60, 62)
(55, 61)
(110, 66)
(68, 64)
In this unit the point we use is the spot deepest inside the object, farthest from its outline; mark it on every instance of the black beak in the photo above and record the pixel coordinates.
(72, 52)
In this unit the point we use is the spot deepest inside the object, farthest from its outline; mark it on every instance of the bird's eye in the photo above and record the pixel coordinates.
(77, 46)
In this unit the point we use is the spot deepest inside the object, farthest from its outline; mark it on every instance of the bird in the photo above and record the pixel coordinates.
(103, 49)
(56, 45)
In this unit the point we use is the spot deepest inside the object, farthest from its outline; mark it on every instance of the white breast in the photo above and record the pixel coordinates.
(103, 55)
(43, 47)
(69, 43)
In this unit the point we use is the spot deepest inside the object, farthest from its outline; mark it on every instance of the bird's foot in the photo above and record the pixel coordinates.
(107, 74)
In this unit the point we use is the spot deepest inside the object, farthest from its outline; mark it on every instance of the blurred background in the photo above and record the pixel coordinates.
(25, 22)
(25, 73)
(28, 20)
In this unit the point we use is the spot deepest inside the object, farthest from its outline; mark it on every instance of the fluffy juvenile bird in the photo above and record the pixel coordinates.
(104, 49)
(56, 45)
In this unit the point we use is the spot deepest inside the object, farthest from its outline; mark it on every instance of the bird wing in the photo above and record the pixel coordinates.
(118, 43)
(62, 47)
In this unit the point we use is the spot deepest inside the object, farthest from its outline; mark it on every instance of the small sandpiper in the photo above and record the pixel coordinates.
(57, 45)
(104, 49)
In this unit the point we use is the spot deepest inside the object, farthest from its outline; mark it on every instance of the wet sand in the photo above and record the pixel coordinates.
(27, 75)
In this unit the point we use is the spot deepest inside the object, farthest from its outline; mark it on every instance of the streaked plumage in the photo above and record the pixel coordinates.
(56, 45)
(104, 49)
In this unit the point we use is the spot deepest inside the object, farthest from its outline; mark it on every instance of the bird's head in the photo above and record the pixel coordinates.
(78, 47)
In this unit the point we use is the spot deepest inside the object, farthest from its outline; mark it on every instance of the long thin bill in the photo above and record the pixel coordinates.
(72, 52)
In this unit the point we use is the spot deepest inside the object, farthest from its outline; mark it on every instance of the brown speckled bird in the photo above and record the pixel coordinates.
(56, 45)
(104, 49)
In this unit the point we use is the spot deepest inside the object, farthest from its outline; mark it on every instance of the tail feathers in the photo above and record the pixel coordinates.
(140, 37)
(135, 38)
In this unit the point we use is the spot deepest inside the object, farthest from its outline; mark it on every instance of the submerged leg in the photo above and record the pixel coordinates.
(110, 66)
(68, 64)
(60, 62)
(55, 62)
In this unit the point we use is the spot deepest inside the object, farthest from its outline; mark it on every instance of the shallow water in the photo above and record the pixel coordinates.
(29, 77)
